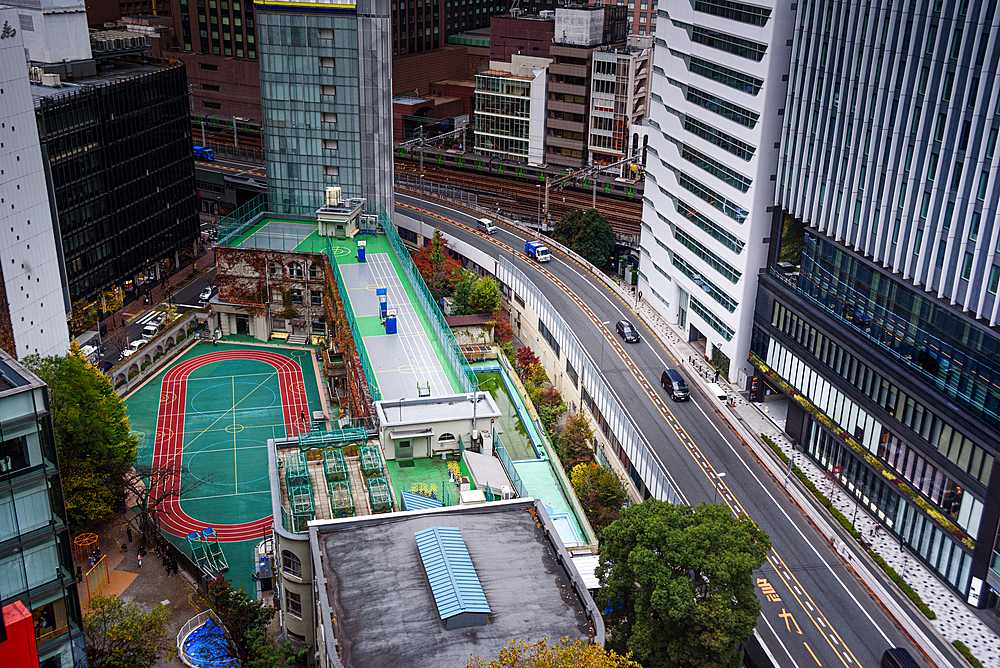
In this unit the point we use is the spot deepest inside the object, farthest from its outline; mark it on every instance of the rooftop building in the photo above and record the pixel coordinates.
(510, 109)
(381, 604)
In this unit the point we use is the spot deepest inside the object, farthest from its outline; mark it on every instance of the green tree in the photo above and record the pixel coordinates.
(588, 233)
(117, 634)
(601, 492)
(562, 654)
(246, 620)
(677, 582)
(461, 292)
(95, 442)
(484, 297)
(575, 441)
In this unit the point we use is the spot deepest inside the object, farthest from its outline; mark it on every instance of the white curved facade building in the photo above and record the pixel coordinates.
(718, 87)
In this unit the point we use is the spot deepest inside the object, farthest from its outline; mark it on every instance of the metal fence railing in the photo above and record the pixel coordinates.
(185, 630)
(508, 465)
(272, 204)
(355, 331)
(452, 352)
(616, 425)
(95, 578)
(425, 188)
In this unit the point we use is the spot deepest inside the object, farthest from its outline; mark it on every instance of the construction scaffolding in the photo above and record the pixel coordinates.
(354, 434)
(379, 497)
(300, 492)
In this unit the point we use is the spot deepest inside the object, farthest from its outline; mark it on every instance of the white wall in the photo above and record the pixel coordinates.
(28, 256)
(57, 34)
(536, 122)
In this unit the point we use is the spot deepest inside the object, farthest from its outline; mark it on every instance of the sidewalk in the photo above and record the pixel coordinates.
(148, 586)
(955, 620)
(130, 311)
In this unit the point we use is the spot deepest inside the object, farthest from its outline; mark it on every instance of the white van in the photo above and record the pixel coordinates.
(149, 331)
(486, 225)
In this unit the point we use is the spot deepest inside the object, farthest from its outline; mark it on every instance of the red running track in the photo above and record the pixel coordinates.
(168, 445)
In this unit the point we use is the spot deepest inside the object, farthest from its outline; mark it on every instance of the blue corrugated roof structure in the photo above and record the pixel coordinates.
(457, 591)
(412, 501)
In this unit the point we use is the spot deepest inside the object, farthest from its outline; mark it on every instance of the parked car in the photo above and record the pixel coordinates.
(149, 332)
(627, 331)
(206, 294)
(133, 347)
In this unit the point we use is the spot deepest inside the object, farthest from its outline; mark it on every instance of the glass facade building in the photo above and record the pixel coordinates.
(118, 147)
(325, 75)
(877, 312)
(36, 563)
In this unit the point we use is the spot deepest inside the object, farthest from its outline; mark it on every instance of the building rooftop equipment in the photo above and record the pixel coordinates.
(378, 609)
(458, 595)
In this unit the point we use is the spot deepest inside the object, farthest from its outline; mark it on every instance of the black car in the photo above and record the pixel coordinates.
(627, 332)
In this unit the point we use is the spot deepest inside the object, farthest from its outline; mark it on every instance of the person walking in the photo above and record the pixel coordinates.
(128, 532)
(139, 558)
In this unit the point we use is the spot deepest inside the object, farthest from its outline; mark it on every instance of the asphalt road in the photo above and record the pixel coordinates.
(186, 298)
(815, 612)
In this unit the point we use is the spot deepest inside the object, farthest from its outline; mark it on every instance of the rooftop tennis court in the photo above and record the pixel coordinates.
(280, 235)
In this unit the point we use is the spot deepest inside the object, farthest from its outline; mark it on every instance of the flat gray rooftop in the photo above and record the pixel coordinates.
(382, 603)
(435, 409)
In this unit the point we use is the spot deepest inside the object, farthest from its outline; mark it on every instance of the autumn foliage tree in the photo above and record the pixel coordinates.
(575, 441)
(562, 654)
(525, 358)
(601, 492)
(677, 584)
(502, 331)
(438, 268)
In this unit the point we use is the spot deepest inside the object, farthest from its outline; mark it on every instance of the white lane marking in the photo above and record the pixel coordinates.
(795, 526)
(778, 638)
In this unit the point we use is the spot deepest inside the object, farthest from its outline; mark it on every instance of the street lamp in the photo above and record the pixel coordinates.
(715, 494)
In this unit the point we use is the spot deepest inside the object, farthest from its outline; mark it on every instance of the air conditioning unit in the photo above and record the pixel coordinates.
(35, 74)
(50, 80)
(506, 493)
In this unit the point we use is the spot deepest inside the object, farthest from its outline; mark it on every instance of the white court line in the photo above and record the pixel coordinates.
(413, 325)
(223, 496)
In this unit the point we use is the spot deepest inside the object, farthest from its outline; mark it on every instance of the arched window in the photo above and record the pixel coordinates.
(291, 564)
(446, 437)
(295, 269)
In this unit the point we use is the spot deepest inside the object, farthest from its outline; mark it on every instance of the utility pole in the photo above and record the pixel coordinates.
(236, 142)
(202, 131)
(580, 173)
(538, 215)
(422, 167)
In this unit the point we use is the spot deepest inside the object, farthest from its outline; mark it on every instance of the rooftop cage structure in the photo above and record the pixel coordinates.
(371, 461)
(379, 496)
(300, 491)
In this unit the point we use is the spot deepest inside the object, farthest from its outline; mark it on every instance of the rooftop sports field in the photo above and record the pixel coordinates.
(211, 413)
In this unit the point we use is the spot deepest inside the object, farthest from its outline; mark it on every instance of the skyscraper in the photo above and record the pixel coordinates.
(325, 74)
(33, 320)
(718, 85)
(878, 310)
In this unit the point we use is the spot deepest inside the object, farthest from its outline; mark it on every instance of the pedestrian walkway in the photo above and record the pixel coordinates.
(955, 620)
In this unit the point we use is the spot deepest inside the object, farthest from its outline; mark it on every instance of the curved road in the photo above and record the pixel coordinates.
(815, 612)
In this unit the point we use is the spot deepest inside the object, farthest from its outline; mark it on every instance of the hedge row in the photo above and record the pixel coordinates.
(844, 522)
(964, 651)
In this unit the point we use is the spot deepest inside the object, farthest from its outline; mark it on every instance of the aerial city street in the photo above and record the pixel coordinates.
(364, 334)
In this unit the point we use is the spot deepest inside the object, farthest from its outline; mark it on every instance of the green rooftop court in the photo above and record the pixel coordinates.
(421, 357)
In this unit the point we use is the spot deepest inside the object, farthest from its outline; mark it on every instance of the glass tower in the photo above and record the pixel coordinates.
(326, 93)
(36, 562)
